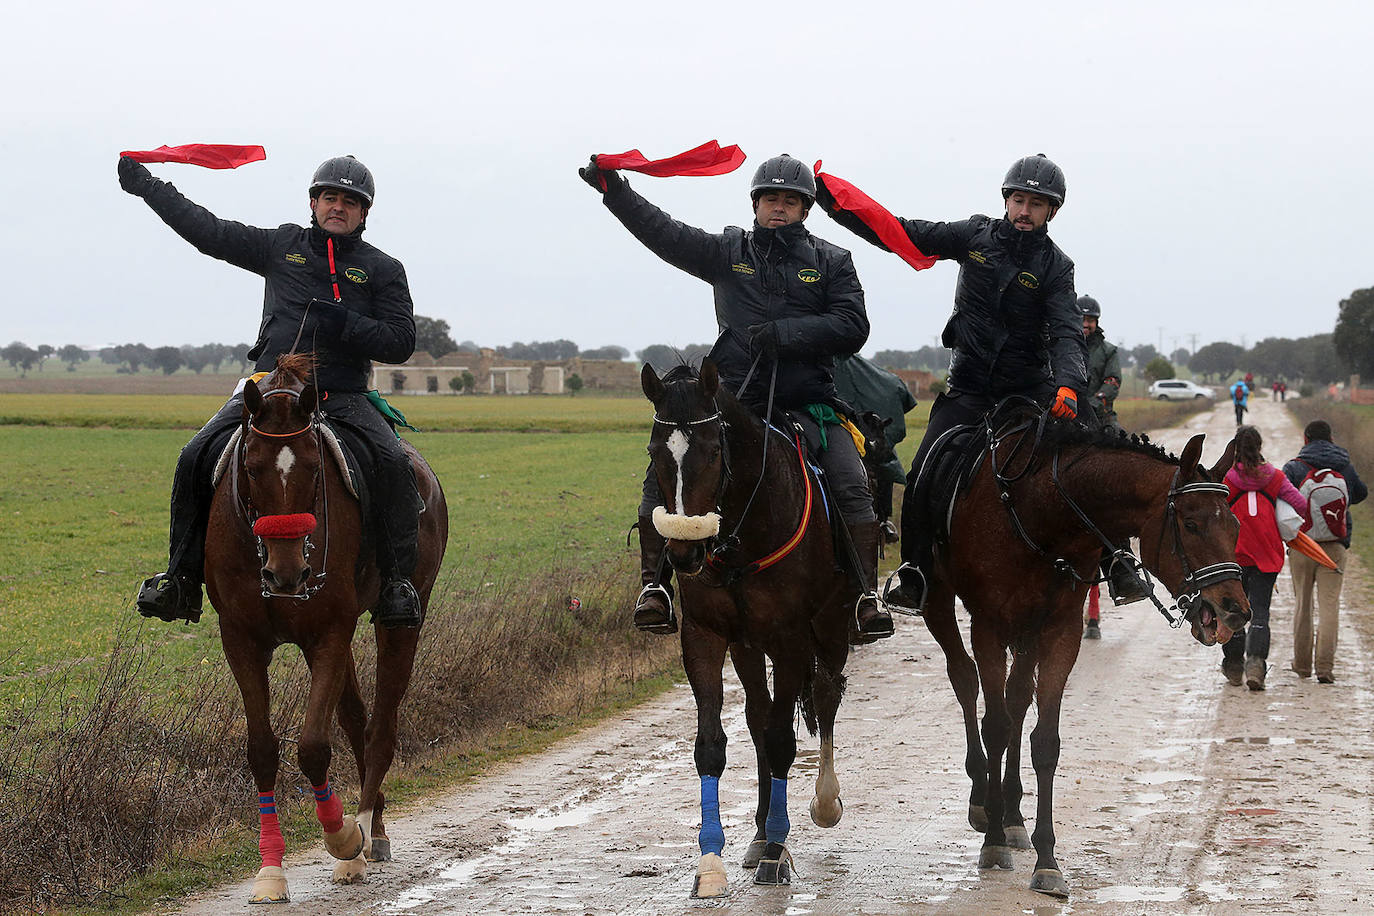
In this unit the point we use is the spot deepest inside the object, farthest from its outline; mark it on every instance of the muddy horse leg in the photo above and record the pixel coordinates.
(827, 687)
(992, 671)
(395, 661)
(753, 674)
(1019, 685)
(780, 743)
(248, 661)
(329, 665)
(703, 657)
(1058, 651)
(963, 677)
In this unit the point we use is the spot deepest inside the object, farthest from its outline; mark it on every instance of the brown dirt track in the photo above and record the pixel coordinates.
(1175, 794)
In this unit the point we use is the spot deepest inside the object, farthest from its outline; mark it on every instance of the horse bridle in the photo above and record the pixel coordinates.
(250, 515)
(1194, 581)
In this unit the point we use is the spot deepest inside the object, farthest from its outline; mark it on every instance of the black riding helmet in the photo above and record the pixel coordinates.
(783, 173)
(1037, 175)
(344, 173)
(1089, 307)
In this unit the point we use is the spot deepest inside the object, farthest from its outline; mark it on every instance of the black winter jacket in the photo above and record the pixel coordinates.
(1321, 453)
(787, 275)
(380, 321)
(1016, 328)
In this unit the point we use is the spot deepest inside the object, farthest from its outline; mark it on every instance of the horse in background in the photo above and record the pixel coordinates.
(1025, 539)
(287, 561)
(748, 535)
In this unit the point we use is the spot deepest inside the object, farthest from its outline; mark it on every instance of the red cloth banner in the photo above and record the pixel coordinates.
(876, 217)
(708, 159)
(207, 155)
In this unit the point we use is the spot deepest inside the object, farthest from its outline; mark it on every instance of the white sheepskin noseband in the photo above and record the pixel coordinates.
(686, 527)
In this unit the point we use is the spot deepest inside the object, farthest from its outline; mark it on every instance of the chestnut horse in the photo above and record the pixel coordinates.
(282, 505)
(749, 538)
(1024, 544)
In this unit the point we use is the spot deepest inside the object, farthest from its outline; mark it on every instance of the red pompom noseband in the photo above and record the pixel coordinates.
(285, 527)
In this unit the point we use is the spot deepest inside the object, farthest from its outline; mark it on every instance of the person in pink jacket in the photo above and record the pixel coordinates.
(1256, 487)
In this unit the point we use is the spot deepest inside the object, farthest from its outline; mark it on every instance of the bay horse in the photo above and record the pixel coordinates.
(1025, 539)
(748, 535)
(283, 503)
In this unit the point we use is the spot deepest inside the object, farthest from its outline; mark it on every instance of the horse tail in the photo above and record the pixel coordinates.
(821, 687)
(806, 701)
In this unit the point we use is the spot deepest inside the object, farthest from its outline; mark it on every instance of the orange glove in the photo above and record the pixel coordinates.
(1065, 404)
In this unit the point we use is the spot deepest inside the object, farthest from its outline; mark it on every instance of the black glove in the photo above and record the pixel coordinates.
(763, 338)
(134, 177)
(823, 196)
(595, 176)
(329, 317)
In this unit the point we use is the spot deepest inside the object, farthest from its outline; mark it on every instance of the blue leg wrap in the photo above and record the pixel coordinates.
(712, 836)
(777, 825)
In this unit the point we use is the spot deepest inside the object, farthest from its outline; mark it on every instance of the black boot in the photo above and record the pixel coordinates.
(654, 606)
(1123, 583)
(910, 590)
(872, 619)
(170, 597)
(398, 605)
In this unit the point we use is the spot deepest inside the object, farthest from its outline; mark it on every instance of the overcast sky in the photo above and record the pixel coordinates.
(1218, 154)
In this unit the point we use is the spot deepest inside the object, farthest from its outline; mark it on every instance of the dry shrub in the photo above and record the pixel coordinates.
(148, 768)
(1350, 428)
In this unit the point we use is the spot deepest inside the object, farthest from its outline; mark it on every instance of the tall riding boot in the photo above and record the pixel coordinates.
(873, 620)
(398, 603)
(654, 606)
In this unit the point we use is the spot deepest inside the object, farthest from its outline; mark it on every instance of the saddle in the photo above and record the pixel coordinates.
(353, 478)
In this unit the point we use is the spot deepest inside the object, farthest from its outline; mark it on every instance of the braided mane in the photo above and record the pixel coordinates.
(1064, 432)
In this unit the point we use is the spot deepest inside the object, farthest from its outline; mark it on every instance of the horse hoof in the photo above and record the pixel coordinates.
(710, 880)
(1017, 837)
(978, 818)
(995, 857)
(270, 886)
(380, 851)
(351, 871)
(823, 815)
(1050, 881)
(775, 868)
(754, 853)
(346, 842)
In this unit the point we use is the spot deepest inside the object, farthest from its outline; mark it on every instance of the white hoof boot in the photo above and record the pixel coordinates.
(351, 871)
(346, 842)
(711, 880)
(270, 886)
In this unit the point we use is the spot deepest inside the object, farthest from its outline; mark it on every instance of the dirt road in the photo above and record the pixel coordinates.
(1176, 793)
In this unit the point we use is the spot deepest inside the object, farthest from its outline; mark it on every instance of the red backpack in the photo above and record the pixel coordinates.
(1328, 498)
(1258, 544)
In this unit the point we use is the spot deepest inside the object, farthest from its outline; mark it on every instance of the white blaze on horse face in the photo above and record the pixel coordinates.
(677, 447)
(286, 460)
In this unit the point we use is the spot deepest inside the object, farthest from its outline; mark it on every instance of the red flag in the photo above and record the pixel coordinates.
(208, 155)
(708, 159)
(876, 217)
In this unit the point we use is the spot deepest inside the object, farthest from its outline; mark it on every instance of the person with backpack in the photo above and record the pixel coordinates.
(1240, 393)
(1323, 474)
(1256, 486)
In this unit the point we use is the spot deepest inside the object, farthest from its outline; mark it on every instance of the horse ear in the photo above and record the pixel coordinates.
(651, 383)
(252, 398)
(307, 399)
(709, 380)
(1228, 460)
(1192, 454)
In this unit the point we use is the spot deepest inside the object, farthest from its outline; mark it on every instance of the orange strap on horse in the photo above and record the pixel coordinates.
(797, 536)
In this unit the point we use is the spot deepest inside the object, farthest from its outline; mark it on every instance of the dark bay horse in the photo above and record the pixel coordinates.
(1024, 543)
(749, 538)
(286, 561)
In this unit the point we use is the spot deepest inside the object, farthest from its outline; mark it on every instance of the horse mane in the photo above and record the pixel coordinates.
(300, 366)
(1067, 432)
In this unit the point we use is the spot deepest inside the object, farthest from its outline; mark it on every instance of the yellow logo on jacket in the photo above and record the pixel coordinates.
(742, 268)
(977, 256)
(809, 275)
(1028, 280)
(356, 274)
(296, 258)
